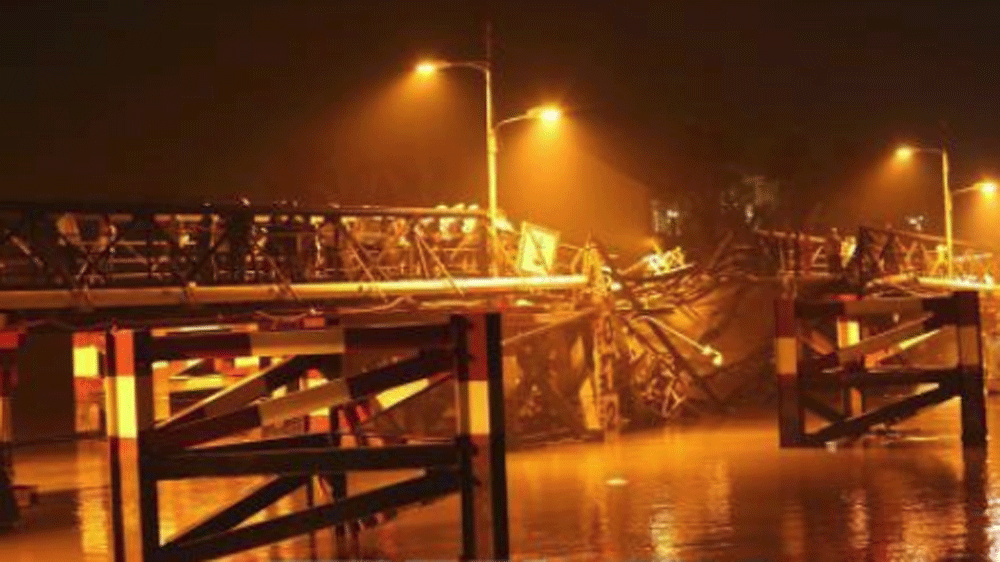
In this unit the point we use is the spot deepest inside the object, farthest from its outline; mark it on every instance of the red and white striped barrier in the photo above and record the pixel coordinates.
(144, 451)
(128, 392)
(853, 365)
(481, 437)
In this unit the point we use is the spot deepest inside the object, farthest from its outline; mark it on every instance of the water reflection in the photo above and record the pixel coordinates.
(697, 493)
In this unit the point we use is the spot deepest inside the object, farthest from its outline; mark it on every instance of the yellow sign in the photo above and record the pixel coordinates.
(536, 251)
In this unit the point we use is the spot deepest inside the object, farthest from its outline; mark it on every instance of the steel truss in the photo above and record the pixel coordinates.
(873, 254)
(57, 256)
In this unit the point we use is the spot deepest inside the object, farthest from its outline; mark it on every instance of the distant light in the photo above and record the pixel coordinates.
(427, 68)
(616, 481)
(904, 152)
(988, 187)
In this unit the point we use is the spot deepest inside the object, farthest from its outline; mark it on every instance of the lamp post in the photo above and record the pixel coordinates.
(907, 152)
(483, 66)
(544, 113)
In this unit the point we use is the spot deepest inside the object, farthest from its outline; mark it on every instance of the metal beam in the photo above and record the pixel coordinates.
(193, 296)
(821, 409)
(241, 510)
(424, 488)
(289, 462)
(245, 391)
(336, 392)
(897, 410)
(299, 442)
(881, 377)
(326, 341)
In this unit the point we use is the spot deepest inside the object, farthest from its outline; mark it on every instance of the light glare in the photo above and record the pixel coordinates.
(551, 114)
(426, 68)
(988, 187)
(904, 152)
(547, 113)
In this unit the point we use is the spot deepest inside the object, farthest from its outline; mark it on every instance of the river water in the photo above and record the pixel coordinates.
(718, 491)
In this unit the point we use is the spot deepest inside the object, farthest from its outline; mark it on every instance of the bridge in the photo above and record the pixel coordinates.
(587, 342)
(105, 273)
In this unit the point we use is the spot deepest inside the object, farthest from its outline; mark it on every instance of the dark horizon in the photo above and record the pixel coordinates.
(203, 103)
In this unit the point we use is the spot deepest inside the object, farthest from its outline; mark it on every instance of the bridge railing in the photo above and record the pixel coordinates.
(871, 254)
(79, 246)
(103, 245)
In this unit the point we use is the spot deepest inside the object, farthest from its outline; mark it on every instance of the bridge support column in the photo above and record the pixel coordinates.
(970, 367)
(791, 416)
(481, 437)
(128, 389)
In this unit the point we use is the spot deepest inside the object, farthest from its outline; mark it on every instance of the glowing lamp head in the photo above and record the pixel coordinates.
(427, 68)
(988, 187)
(547, 113)
(550, 114)
(904, 152)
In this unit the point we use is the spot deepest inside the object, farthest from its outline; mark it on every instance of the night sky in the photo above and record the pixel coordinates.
(212, 101)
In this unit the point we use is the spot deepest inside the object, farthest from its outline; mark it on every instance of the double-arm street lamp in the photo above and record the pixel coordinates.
(547, 113)
(905, 153)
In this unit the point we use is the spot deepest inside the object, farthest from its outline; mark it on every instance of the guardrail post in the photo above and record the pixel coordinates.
(970, 368)
(791, 418)
(480, 417)
(129, 405)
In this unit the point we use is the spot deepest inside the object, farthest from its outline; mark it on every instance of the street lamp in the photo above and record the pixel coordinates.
(906, 153)
(986, 187)
(544, 113)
